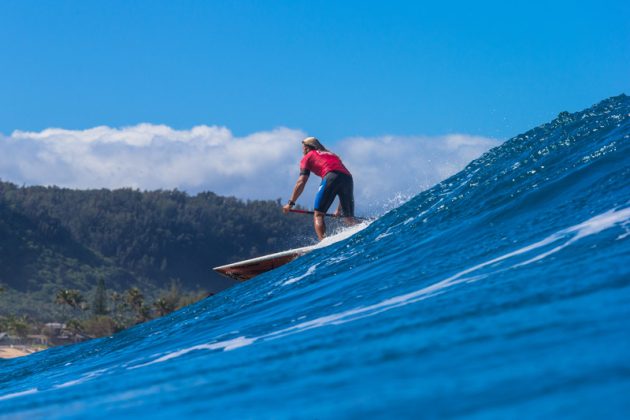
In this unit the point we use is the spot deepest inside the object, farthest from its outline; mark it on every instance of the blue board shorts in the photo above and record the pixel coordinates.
(336, 184)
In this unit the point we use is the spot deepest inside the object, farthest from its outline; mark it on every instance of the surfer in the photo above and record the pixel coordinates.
(336, 181)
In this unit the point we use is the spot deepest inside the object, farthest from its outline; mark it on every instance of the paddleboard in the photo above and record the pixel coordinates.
(245, 270)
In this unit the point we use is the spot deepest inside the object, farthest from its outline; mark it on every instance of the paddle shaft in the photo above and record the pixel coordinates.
(326, 214)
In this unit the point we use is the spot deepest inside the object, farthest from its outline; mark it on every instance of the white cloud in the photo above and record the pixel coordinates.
(262, 165)
(396, 167)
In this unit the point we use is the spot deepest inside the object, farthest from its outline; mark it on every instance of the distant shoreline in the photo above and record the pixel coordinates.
(11, 352)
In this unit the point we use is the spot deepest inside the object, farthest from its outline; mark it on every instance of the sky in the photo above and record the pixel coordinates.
(215, 95)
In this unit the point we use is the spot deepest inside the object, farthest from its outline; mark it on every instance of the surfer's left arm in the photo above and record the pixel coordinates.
(297, 191)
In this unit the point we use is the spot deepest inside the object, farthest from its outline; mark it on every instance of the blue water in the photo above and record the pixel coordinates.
(503, 291)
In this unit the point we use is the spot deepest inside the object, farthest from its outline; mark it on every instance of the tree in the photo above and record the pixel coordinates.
(163, 306)
(144, 313)
(76, 329)
(99, 326)
(62, 299)
(119, 307)
(74, 326)
(69, 239)
(71, 298)
(17, 326)
(135, 299)
(99, 304)
(169, 301)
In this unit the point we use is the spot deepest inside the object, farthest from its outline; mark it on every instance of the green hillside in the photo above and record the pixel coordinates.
(54, 238)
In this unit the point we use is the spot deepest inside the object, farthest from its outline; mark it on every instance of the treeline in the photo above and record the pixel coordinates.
(103, 313)
(54, 239)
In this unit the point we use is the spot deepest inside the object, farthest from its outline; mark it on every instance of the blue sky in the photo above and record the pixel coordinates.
(337, 69)
(176, 94)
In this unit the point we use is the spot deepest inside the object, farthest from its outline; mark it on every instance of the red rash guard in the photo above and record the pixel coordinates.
(320, 163)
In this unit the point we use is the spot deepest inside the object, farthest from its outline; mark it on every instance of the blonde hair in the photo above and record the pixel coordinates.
(313, 143)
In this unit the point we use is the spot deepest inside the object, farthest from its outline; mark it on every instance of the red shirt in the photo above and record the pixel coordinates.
(321, 162)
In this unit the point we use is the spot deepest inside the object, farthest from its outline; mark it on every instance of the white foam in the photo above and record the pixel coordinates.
(292, 280)
(82, 379)
(590, 227)
(327, 241)
(221, 345)
(383, 235)
(344, 234)
(19, 394)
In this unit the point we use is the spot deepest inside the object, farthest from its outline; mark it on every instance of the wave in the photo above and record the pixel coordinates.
(501, 291)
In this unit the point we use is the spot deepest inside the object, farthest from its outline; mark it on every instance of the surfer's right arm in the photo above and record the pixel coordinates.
(297, 191)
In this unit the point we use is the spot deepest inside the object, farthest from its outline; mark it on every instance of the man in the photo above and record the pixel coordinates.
(336, 181)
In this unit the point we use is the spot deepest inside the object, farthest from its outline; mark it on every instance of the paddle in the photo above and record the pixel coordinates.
(326, 214)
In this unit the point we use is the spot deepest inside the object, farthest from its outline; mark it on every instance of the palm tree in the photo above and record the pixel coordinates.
(77, 301)
(119, 307)
(63, 298)
(135, 298)
(71, 298)
(75, 328)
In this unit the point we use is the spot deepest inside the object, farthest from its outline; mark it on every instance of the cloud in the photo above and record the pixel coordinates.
(262, 165)
(394, 168)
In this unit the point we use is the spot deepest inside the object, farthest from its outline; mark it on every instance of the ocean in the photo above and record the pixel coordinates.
(503, 291)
